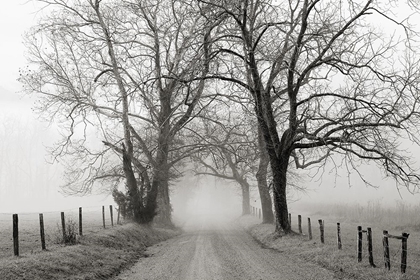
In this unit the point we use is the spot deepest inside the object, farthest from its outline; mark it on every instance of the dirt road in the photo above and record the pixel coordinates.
(219, 252)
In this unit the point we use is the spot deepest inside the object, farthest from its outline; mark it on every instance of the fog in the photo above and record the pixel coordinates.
(28, 180)
(341, 187)
(29, 184)
(204, 202)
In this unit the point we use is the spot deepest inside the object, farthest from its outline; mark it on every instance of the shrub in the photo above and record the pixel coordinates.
(70, 237)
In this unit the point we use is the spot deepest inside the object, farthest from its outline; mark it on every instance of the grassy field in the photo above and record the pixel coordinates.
(99, 254)
(344, 262)
(102, 253)
(29, 229)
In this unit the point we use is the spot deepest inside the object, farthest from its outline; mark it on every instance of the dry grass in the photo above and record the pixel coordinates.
(98, 255)
(29, 232)
(372, 213)
(343, 262)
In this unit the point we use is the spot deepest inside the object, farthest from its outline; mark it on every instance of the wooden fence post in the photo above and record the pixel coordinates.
(16, 234)
(370, 246)
(112, 215)
(386, 249)
(103, 215)
(404, 252)
(118, 216)
(309, 229)
(63, 226)
(359, 243)
(385, 242)
(339, 245)
(290, 220)
(124, 210)
(41, 230)
(321, 230)
(300, 223)
(80, 221)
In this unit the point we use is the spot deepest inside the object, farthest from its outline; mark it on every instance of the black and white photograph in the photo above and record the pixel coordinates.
(209, 139)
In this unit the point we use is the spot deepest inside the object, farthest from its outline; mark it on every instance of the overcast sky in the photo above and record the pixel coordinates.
(15, 18)
(28, 183)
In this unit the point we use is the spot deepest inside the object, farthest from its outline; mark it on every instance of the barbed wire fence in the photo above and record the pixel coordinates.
(32, 232)
(398, 257)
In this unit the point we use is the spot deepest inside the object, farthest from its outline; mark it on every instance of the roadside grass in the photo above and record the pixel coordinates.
(29, 231)
(100, 255)
(343, 262)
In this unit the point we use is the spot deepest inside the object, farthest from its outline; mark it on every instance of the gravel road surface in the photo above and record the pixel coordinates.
(223, 251)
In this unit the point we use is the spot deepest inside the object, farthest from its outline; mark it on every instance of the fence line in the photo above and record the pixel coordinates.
(403, 237)
(321, 231)
(68, 227)
(309, 229)
(26, 213)
(339, 245)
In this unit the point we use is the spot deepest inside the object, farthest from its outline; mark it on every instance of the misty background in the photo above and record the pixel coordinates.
(30, 183)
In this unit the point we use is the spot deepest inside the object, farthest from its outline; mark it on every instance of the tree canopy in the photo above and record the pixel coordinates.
(119, 69)
(340, 83)
(322, 78)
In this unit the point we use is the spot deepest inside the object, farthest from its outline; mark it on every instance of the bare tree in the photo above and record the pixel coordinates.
(341, 85)
(262, 181)
(118, 68)
(231, 149)
(227, 151)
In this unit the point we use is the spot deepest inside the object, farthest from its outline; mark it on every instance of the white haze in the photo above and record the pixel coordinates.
(28, 183)
(204, 202)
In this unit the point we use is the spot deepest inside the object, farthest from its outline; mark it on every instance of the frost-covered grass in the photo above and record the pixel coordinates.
(29, 230)
(397, 215)
(343, 262)
(98, 255)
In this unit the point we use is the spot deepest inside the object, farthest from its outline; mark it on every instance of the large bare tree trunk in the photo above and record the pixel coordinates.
(279, 169)
(278, 152)
(133, 191)
(128, 147)
(245, 199)
(164, 208)
(265, 197)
